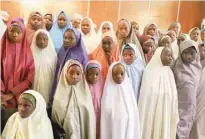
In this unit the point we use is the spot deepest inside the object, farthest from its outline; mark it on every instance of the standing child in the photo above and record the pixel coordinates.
(152, 30)
(72, 107)
(165, 41)
(17, 64)
(134, 66)
(176, 27)
(194, 34)
(202, 54)
(174, 45)
(105, 27)
(73, 48)
(61, 24)
(31, 121)
(106, 53)
(187, 72)
(45, 59)
(48, 21)
(95, 82)
(119, 112)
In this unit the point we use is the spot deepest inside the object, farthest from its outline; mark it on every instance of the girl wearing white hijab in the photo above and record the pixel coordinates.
(90, 38)
(199, 124)
(119, 112)
(73, 109)
(36, 126)
(158, 105)
(45, 59)
(104, 27)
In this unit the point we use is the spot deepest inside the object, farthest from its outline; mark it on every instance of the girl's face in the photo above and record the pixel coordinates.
(15, 34)
(48, 21)
(92, 75)
(85, 26)
(189, 55)
(123, 29)
(42, 40)
(203, 36)
(172, 35)
(75, 24)
(175, 29)
(195, 35)
(128, 56)
(118, 73)
(202, 52)
(25, 108)
(74, 74)
(107, 44)
(69, 39)
(62, 21)
(151, 30)
(135, 27)
(105, 28)
(180, 39)
(166, 56)
(166, 42)
(148, 46)
(36, 22)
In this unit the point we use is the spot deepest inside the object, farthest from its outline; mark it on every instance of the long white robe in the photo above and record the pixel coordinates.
(36, 126)
(45, 64)
(158, 105)
(119, 112)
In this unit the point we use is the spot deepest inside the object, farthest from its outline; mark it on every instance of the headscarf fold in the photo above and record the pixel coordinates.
(96, 92)
(45, 65)
(91, 40)
(135, 70)
(101, 26)
(158, 105)
(77, 52)
(72, 107)
(17, 66)
(29, 31)
(187, 80)
(156, 36)
(131, 38)
(58, 33)
(36, 126)
(99, 54)
(119, 112)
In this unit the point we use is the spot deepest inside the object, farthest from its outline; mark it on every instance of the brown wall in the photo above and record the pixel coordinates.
(161, 12)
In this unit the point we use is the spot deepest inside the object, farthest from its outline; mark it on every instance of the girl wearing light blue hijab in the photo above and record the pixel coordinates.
(131, 57)
(61, 24)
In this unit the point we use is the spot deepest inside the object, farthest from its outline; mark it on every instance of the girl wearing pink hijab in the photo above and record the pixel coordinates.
(95, 82)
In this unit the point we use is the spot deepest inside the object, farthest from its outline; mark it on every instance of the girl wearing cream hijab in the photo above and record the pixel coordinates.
(45, 59)
(73, 109)
(31, 121)
(194, 34)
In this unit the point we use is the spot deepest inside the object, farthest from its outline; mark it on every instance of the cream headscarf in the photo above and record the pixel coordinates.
(199, 37)
(36, 126)
(101, 26)
(45, 65)
(91, 40)
(73, 108)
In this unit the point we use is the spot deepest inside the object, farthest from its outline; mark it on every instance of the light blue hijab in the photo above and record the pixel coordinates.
(135, 70)
(57, 33)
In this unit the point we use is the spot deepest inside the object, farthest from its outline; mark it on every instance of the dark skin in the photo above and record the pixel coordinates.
(189, 55)
(25, 108)
(107, 47)
(75, 24)
(166, 42)
(151, 30)
(148, 46)
(203, 36)
(48, 21)
(74, 75)
(166, 56)
(14, 34)
(36, 22)
(69, 39)
(105, 28)
(85, 26)
(128, 56)
(118, 73)
(180, 39)
(42, 40)
(62, 21)
(123, 29)
(92, 75)
(195, 35)
(202, 52)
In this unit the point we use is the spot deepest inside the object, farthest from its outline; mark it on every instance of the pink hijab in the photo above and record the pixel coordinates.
(96, 92)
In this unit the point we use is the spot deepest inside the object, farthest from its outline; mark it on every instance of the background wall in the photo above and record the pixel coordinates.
(188, 13)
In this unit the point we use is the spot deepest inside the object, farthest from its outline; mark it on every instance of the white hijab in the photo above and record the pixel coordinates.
(119, 112)
(45, 64)
(36, 126)
(158, 103)
(73, 107)
(91, 40)
(101, 26)
(3, 28)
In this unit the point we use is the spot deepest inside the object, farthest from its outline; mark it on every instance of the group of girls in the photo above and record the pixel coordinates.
(104, 85)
